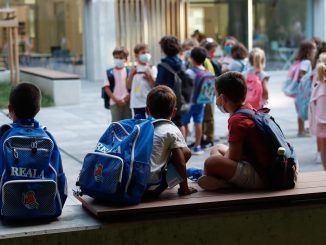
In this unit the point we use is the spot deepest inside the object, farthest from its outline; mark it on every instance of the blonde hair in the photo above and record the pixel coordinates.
(321, 67)
(257, 58)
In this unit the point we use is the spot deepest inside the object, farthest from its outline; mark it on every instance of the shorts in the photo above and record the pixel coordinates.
(246, 177)
(196, 112)
(120, 112)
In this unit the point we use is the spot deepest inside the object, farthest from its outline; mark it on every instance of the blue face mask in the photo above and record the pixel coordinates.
(227, 49)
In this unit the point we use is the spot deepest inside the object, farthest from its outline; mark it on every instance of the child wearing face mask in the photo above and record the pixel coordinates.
(115, 86)
(141, 80)
(226, 60)
(243, 162)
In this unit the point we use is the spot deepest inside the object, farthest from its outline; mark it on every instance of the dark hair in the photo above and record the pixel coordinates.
(121, 50)
(227, 38)
(305, 49)
(239, 51)
(161, 102)
(317, 40)
(208, 45)
(199, 55)
(321, 48)
(25, 99)
(232, 85)
(140, 47)
(170, 45)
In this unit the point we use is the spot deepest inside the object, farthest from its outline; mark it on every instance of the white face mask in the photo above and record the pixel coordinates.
(145, 58)
(119, 63)
(221, 107)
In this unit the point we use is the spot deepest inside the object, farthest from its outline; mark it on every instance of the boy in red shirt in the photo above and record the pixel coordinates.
(244, 162)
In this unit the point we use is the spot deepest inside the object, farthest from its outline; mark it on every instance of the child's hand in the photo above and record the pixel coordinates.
(121, 102)
(187, 191)
(147, 75)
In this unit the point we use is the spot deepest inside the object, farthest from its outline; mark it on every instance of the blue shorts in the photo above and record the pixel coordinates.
(196, 112)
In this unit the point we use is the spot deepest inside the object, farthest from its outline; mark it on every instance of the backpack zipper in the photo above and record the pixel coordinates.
(132, 158)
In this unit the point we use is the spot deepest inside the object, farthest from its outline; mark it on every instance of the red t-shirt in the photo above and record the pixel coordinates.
(255, 150)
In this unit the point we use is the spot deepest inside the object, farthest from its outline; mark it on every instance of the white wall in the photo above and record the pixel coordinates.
(99, 37)
(319, 18)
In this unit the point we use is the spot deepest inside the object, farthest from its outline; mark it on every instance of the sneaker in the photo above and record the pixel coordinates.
(191, 145)
(210, 183)
(194, 173)
(206, 144)
(197, 150)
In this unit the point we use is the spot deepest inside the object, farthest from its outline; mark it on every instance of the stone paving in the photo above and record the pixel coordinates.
(77, 128)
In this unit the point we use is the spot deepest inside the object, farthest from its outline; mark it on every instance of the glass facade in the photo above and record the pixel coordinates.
(50, 34)
(278, 25)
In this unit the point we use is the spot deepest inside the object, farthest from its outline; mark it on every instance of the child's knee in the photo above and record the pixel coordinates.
(211, 163)
(187, 154)
(217, 149)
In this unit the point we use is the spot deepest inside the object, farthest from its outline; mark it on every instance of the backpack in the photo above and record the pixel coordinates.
(110, 77)
(254, 90)
(204, 87)
(281, 172)
(302, 100)
(291, 84)
(32, 182)
(183, 88)
(118, 170)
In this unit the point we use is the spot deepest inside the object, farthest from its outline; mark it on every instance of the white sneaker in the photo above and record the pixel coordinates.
(210, 183)
(318, 158)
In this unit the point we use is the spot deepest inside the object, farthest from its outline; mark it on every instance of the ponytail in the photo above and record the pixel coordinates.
(257, 59)
(321, 67)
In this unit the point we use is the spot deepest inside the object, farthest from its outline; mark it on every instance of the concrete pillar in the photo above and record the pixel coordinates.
(250, 24)
(99, 37)
(319, 18)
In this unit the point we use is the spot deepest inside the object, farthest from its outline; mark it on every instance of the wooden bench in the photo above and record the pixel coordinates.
(63, 87)
(224, 217)
(311, 187)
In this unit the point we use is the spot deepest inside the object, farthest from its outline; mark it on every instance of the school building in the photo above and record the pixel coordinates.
(78, 36)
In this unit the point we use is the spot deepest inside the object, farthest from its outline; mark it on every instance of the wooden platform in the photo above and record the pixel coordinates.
(311, 187)
(49, 74)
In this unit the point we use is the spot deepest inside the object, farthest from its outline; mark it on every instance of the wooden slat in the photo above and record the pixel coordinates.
(228, 198)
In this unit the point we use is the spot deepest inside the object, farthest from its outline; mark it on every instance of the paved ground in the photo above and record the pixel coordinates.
(77, 128)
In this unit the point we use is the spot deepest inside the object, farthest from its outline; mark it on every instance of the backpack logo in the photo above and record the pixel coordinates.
(98, 173)
(29, 200)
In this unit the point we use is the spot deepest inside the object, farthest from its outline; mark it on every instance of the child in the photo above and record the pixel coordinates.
(168, 140)
(226, 60)
(239, 59)
(24, 104)
(116, 88)
(259, 95)
(317, 112)
(141, 80)
(305, 56)
(243, 162)
(197, 56)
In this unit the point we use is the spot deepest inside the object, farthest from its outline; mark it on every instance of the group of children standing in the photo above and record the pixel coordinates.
(306, 83)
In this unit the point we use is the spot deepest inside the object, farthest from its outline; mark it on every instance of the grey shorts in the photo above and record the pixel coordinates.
(246, 177)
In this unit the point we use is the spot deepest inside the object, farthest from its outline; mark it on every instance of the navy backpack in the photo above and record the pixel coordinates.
(282, 172)
(118, 170)
(33, 184)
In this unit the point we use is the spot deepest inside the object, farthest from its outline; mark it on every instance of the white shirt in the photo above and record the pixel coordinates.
(167, 137)
(305, 65)
(140, 87)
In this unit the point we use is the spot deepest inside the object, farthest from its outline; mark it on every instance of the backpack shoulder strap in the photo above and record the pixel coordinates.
(169, 68)
(110, 76)
(4, 128)
(246, 112)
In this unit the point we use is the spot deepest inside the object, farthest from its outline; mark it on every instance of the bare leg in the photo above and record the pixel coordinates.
(199, 131)
(319, 140)
(219, 150)
(323, 151)
(184, 131)
(301, 129)
(220, 167)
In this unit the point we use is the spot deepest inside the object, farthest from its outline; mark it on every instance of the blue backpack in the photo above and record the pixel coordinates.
(32, 181)
(118, 170)
(282, 172)
(204, 92)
